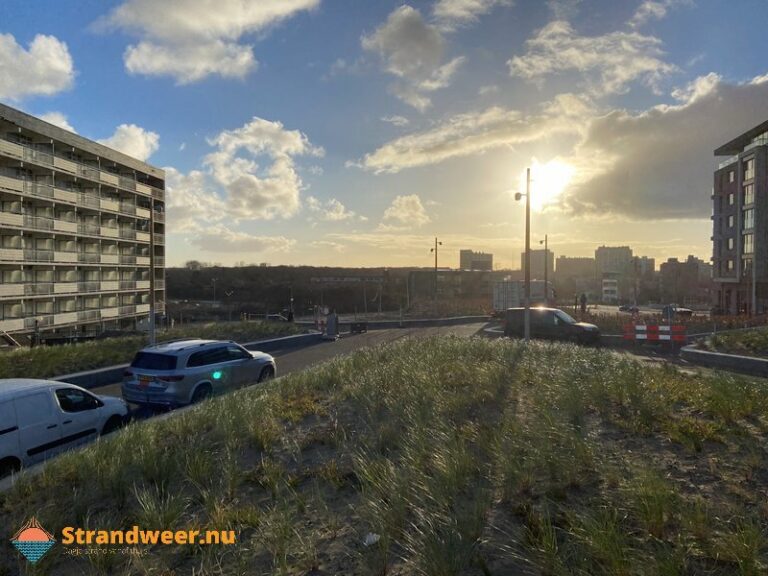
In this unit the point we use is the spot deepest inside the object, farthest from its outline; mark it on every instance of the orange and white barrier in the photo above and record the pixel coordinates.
(655, 333)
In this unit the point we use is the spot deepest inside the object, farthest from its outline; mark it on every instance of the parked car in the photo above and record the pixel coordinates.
(276, 318)
(181, 372)
(550, 324)
(629, 308)
(41, 418)
(673, 310)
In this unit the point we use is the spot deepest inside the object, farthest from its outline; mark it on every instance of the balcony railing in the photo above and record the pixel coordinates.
(64, 317)
(38, 156)
(142, 236)
(89, 286)
(142, 260)
(111, 312)
(127, 183)
(127, 284)
(143, 188)
(38, 189)
(109, 178)
(87, 228)
(159, 238)
(126, 208)
(88, 257)
(65, 225)
(38, 222)
(127, 310)
(110, 258)
(89, 200)
(12, 324)
(128, 233)
(64, 287)
(159, 216)
(40, 321)
(142, 212)
(88, 315)
(11, 149)
(11, 254)
(142, 308)
(127, 259)
(109, 231)
(38, 288)
(11, 219)
(158, 194)
(159, 262)
(65, 256)
(38, 255)
(112, 205)
(11, 290)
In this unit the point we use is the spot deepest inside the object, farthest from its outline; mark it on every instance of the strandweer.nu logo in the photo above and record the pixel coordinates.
(33, 541)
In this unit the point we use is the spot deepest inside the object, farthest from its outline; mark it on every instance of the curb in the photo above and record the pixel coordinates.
(732, 362)
(410, 323)
(111, 374)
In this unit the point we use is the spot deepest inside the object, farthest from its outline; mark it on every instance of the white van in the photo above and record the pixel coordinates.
(42, 418)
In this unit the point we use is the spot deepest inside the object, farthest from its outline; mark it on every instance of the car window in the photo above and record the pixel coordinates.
(236, 353)
(208, 357)
(154, 361)
(74, 400)
(564, 317)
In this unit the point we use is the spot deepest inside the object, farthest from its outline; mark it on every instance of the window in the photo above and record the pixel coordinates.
(729, 265)
(237, 353)
(152, 361)
(749, 169)
(749, 194)
(731, 176)
(74, 400)
(748, 219)
(208, 357)
(730, 199)
(731, 220)
(746, 266)
(749, 246)
(730, 243)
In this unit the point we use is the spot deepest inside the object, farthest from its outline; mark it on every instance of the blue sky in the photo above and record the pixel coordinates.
(345, 132)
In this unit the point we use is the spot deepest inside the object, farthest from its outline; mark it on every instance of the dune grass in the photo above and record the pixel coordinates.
(436, 457)
(50, 361)
(752, 342)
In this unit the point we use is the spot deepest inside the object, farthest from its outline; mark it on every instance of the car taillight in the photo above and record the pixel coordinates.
(170, 378)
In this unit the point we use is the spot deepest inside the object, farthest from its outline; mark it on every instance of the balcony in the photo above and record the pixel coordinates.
(65, 165)
(728, 162)
(142, 212)
(88, 228)
(88, 257)
(38, 255)
(65, 287)
(10, 149)
(7, 290)
(110, 258)
(159, 216)
(127, 259)
(109, 231)
(108, 178)
(13, 184)
(159, 238)
(142, 284)
(88, 315)
(143, 189)
(110, 286)
(89, 200)
(142, 236)
(158, 194)
(110, 312)
(159, 284)
(65, 195)
(111, 205)
(126, 208)
(142, 260)
(128, 233)
(13, 324)
(38, 222)
(39, 189)
(37, 156)
(65, 257)
(159, 261)
(127, 310)
(86, 171)
(65, 226)
(38, 289)
(142, 308)
(88, 286)
(11, 254)
(11, 219)
(65, 318)
(39, 321)
(127, 183)
(127, 284)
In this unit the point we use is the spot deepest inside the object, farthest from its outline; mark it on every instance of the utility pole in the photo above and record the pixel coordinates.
(435, 251)
(527, 329)
(213, 281)
(546, 269)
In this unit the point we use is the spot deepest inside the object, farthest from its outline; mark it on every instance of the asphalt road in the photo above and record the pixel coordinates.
(294, 360)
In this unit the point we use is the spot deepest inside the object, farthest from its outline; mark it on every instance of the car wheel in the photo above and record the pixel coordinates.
(203, 392)
(113, 424)
(267, 373)
(9, 466)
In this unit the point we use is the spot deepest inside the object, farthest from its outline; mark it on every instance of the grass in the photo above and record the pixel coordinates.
(753, 342)
(50, 361)
(434, 457)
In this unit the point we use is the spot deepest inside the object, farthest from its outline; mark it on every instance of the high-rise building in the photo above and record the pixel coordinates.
(572, 267)
(613, 260)
(740, 223)
(538, 261)
(82, 231)
(470, 260)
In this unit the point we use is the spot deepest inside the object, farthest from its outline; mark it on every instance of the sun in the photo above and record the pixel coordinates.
(547, 182)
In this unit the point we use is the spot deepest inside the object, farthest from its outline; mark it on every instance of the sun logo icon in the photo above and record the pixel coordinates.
(33, 541)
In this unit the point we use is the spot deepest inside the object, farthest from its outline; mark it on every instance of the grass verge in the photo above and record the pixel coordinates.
(49, 361)
(437, 457)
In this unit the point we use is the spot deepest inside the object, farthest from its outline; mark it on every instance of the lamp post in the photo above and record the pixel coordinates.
(518, 195)
(546, 269)
(213, 281)
(435, 251)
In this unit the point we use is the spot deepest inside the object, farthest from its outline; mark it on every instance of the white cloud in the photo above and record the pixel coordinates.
(191, 62)
(490, 89)
(658, 164)
(329, 245)
(477, 132)
(191, 201)
(133, 141)
(654, 9)
(58, 119)
(395, 120)
(253, 192)
(330, 211)
(405, 212)
(46, 68)
(609, 63)
(563, 9)
(412, 51)
(192, 39)
(221, 239)
(451, 14)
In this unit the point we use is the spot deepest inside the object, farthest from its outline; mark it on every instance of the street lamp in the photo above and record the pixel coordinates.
(518, 196)
(435, 251)
(213, 281)
(546, 267)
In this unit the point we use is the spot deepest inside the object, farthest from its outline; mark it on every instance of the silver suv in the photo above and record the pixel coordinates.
(187, 371)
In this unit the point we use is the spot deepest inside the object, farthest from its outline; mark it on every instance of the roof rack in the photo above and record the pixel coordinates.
(172, 341)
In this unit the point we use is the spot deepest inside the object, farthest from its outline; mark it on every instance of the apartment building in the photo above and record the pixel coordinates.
(470, 260)
(82, 232)
(740, 223)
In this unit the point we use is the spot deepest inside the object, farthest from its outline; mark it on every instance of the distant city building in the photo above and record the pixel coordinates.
(740, 223)
(569, 267)
(645, 266)
(453, 284)
(537, 264)
(470, 260)
(685, 282)
(613, 260)
(610, 290)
